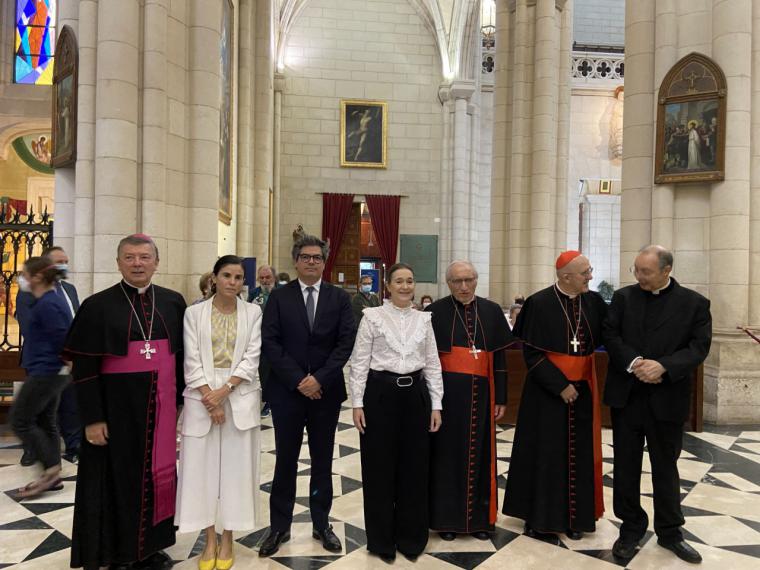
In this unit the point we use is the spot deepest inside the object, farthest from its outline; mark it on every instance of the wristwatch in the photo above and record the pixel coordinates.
(231, 386)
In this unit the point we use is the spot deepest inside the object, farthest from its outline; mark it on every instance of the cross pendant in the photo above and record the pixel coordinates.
(474, 351)
(575, 344)
(147, 351)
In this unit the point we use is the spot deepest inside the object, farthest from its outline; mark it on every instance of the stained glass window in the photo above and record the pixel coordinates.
(35, 42)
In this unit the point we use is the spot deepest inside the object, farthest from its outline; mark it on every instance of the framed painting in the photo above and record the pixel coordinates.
(691, 122)
(65, 71)
(225, 115)
(421, 252)
(363, 133)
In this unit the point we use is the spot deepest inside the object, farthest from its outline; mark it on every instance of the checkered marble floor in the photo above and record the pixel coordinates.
(720, 484)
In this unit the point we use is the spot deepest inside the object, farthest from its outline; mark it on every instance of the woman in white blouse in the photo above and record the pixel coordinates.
(396, 392)
(221, 441)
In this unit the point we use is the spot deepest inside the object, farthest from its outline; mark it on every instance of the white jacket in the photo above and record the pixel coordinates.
(245, 401)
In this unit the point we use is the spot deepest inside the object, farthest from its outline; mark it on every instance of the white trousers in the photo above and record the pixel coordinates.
(219, 477)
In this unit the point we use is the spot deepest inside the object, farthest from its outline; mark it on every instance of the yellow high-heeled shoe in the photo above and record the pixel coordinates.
(209, 564)
(225, 564)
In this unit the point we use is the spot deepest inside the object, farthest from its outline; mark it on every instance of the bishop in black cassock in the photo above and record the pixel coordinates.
(126, 348)
(472, 338)
(555, 479)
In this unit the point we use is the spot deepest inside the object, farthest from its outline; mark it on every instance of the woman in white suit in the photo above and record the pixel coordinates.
(221, 442)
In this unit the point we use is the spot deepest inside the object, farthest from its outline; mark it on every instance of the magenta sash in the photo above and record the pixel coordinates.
(164, 460)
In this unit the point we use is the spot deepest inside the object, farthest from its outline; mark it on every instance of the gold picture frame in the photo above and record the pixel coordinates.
(65, 95)
(605, 186)
(363, 133)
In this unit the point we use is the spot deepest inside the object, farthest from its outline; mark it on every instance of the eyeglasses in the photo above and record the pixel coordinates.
(306, 258)
(459, 282)
(586, 273)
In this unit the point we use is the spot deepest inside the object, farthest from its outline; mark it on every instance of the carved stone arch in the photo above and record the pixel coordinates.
(466, 51)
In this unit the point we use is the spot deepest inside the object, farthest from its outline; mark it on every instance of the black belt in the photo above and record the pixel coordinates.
(401, 380)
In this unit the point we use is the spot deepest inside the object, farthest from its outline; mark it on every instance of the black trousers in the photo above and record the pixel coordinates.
(631, 426)
(33, 416)
(395, 464)
(320, 421)
(69, 422)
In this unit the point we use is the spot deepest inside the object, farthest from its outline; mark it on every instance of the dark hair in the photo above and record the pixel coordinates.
(136, 239)
(283, 276)
(306, 241)
(395, 267)
(422, 299)
(203, 284)
(42, 266)
(220, 264)
(48, 250)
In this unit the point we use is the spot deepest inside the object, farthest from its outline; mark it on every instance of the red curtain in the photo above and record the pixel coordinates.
(383, 210)
(336, 209)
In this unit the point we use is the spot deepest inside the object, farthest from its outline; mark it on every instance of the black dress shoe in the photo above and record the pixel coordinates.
(28, 459)
(548, 537)
(683, 551)
(127, 566)
(447, 536)
(625, 548)
(329, 540)
(272, 542)
(387, 558)
(481, 535)
(410, 557)
(574, 534)
(156, 561)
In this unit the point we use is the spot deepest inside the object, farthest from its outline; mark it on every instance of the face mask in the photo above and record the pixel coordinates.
(23, 284)
(366, 288)
(282, 282)
(63, 269)
(425, 304)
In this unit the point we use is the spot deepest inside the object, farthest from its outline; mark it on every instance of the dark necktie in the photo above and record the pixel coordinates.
(310, 306)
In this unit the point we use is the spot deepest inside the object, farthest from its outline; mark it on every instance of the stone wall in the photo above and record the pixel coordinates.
(599, 22)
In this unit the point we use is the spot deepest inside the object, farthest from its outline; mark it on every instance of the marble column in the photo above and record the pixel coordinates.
(245, 150)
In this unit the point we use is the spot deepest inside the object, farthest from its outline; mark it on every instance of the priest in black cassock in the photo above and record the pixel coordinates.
(555, 473)
(472, 336)
(126, 348)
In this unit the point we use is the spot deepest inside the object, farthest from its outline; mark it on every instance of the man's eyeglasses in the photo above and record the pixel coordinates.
(587, 273)
(459, 282)
(306, 258)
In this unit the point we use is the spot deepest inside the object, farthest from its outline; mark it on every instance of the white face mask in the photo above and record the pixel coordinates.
(425, 304)
(366, 288)
(63, 269)
(23, 284)
(282, 282)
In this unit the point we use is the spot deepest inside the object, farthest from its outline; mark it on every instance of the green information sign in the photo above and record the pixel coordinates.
(421, 252)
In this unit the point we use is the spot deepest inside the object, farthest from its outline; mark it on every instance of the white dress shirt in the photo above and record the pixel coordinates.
(315, 294)
(392, 339)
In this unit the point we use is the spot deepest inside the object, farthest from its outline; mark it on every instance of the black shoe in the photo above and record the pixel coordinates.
(329, 540)
(481, 535)
(127, 566)
(447, 536)
(625, 548)
(683, 551)
(410, 557)
(71, 458)
(574, 534)
(266, 411)
(28, 459)
(547, 537)
(272, 542)
(387, 558)
(156, 561)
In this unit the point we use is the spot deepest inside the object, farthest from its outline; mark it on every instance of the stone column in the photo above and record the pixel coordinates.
(754, 227)
(116, 131)
(276, 231)
(245, 154)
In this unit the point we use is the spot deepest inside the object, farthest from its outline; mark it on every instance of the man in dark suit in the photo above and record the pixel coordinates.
(307, 336)
(69, 424)
(657, 333)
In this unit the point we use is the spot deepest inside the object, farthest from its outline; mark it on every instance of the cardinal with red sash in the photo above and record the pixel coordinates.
(472, 336)
(126, 347)
(555, 473)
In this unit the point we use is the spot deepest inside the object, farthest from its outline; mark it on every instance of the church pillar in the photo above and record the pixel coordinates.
(264, 128)
(754, 223)
(245, 154)
(275, 232)
(116, 133)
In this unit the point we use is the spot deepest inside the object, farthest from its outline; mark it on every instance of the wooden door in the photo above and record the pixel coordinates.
(347, 262)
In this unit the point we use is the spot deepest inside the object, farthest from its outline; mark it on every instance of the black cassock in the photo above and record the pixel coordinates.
(114, 516)
(463, 453)
(554, 480)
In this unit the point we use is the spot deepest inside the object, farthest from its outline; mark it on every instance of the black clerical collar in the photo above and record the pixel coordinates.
(471, 303)
(132, 288)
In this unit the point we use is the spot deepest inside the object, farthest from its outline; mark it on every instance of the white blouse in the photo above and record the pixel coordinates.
(395, 340)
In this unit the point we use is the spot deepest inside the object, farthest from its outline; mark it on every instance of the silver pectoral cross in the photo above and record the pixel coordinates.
(147, 351)
(575, 344)
(474, 351)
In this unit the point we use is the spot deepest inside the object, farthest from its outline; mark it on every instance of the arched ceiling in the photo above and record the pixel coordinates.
(447, 20)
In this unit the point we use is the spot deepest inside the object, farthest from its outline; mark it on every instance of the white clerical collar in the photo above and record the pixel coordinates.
(304, 285)
(565, 294)
(140, 290)
(472, 300)
(661, 289)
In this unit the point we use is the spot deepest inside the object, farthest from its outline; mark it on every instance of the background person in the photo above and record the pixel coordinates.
(363, 299)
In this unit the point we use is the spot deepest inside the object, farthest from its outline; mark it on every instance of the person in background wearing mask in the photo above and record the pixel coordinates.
(68, 412)
(33, 414)
(283, 279)
(259, 296)
(425, 301)
(364, 299)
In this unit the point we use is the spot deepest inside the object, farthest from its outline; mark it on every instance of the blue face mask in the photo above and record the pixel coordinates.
(366, 288)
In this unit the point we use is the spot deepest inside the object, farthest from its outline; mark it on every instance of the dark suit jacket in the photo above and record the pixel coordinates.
(25, 302)
(293, 351)
(680, 341)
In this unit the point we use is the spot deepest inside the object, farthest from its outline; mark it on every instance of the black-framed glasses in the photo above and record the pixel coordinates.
(306, 258)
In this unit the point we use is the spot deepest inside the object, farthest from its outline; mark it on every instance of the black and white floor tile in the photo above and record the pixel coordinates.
(720, 483)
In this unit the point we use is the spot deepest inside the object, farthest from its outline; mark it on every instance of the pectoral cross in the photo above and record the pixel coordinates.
(147, 351)
(474, 351)
(575, 344)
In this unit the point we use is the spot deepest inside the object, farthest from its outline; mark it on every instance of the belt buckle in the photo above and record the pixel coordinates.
(400, 385)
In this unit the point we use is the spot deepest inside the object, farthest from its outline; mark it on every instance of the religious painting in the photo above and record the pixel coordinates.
(225, 115)
(34, 42)
(363, 133)
(691, 122)
(64, 139)
(35, 151)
